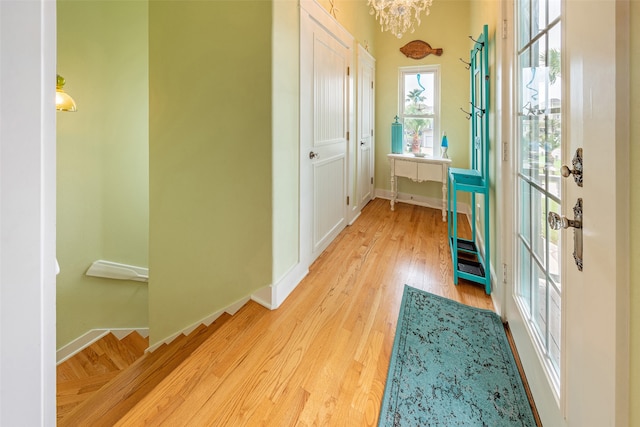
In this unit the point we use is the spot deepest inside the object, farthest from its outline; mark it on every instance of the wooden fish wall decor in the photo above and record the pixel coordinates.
(418, 49)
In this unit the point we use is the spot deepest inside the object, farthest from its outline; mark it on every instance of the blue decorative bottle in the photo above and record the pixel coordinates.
(396, 137)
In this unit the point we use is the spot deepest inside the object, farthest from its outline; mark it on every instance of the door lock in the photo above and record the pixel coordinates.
(556, 222)
(577, 168)
(313, 155)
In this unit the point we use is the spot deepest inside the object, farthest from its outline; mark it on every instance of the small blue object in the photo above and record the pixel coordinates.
(445, 142)
(396, 137)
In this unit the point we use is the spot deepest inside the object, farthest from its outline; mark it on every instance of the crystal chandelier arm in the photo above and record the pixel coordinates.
(399, 16)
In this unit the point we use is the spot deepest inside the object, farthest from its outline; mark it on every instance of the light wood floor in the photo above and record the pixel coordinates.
(322, 357)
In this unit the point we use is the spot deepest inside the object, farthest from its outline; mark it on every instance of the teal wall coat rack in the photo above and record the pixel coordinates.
(470, 260)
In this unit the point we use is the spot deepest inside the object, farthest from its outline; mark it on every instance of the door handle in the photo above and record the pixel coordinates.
(556, 222)
(362, 143)
(313, 155)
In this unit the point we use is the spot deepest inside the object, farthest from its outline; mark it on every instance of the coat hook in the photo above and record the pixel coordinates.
(468, 64)
(477, 108)
(476, 41)
(466, 113)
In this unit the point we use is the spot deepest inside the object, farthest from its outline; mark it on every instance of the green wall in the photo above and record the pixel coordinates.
(210, 127)
(635, 207)
(102, 163)
(447, 27)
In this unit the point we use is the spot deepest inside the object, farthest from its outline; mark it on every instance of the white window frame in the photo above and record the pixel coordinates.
(422, 69)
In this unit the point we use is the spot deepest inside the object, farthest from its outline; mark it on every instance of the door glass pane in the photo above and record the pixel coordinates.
(533, 101)
(524, 268)
(524, 24)
(539, 150)
(554, 242)
(528, 149)
(555, 314)
(525, 211)
(553, 111)
(538, 225)
(540, 303)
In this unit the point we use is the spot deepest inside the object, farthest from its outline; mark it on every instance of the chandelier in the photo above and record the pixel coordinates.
(399, 16)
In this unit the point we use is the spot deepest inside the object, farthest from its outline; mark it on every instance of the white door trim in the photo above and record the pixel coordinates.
(365, 59)
(27, 213)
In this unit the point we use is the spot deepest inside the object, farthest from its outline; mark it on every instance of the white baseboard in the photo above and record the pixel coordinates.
(263, 296)
(414, 199)
(208, 320)
(287, 283)
(492, 273)
(121, 333)
(357, 215)
(76, 346)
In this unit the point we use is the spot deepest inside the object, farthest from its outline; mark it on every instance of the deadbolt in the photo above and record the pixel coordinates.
(577, 168)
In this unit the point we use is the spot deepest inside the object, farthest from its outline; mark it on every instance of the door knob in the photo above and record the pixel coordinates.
(556, 222)
(313, 155)
(577, 168)
(362, 143)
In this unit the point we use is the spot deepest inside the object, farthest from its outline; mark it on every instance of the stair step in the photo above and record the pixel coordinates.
(120, 354)
(114, 399)
(136, 343)
(93, 360)
(85, 373)
(70, 394)
(229, 347)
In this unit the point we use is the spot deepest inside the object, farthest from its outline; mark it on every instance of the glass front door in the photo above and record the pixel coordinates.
(538, 286)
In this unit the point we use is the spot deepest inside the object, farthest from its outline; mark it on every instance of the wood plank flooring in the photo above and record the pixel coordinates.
(322, 357)
(81, 376)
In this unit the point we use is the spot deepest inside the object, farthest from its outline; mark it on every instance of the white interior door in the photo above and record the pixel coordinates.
(571, 325)
(365, 140)
(325, 58)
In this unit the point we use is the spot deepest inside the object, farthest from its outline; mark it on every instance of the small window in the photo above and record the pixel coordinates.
(419, 108)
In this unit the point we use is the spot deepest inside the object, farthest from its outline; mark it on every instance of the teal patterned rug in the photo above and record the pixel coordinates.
(451, 366)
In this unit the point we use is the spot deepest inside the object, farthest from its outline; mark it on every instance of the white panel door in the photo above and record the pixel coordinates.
(571, 325)
(324, 122)
(365, 140)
